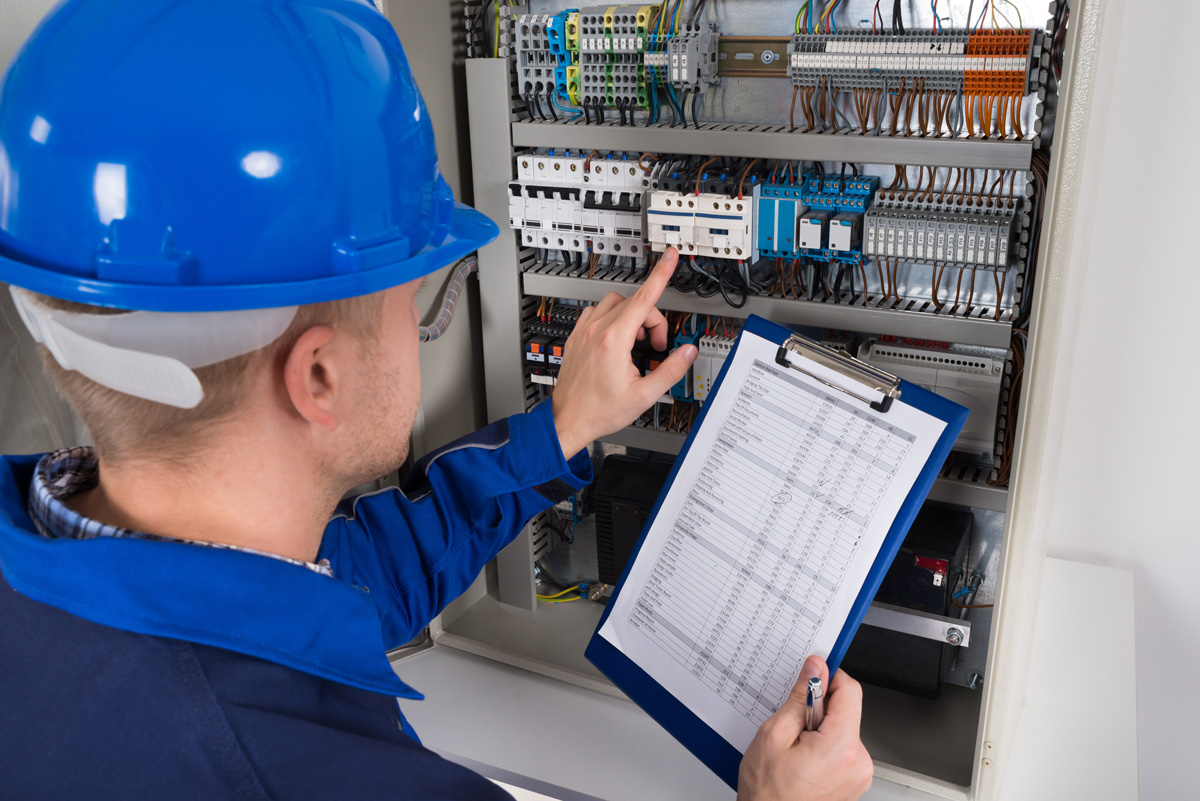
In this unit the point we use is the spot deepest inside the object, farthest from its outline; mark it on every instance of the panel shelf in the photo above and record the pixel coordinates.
(916, 319)
(777, 142)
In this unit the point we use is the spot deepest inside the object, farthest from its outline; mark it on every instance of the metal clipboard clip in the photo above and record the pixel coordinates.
(871, 378)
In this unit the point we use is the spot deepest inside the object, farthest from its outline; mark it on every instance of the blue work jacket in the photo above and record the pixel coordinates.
(139, 669)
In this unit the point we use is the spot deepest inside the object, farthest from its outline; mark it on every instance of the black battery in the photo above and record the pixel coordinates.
(921, 578)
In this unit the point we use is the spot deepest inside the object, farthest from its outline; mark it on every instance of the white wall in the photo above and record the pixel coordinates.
(1128, 478)
(17, 21)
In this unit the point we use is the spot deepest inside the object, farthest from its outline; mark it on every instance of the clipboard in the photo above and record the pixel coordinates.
(870, 386)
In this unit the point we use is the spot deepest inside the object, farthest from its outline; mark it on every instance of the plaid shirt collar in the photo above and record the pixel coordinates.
(63, 473)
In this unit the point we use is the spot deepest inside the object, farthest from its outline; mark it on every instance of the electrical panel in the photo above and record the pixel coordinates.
(876, 178)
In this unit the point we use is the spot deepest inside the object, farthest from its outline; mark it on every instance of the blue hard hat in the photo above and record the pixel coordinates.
(211, 155)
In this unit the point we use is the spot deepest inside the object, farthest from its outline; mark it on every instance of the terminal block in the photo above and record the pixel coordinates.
(536, 64)
(950, 232)
(714, 349)
(692, 57)
(994, 62)
(612, 40)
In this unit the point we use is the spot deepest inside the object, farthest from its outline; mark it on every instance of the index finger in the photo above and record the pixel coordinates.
(843, 706)
(638, 306)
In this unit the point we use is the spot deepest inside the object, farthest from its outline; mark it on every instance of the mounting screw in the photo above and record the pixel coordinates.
(976, 679)
(954, 636)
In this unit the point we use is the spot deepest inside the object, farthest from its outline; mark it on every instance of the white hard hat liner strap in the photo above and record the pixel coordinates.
(150, 355)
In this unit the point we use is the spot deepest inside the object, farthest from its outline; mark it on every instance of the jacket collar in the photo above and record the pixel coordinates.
(230, 599)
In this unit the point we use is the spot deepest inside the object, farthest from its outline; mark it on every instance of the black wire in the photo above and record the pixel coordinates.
(674, 115)
(550, 104)
(897, 18)
(474, 24)
(737, 286)
(697, 11)
(695, 97)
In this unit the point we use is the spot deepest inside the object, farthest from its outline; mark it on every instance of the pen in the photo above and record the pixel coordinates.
(814, 709)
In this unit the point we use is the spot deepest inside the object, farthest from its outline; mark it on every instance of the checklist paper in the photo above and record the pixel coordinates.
(765, 537)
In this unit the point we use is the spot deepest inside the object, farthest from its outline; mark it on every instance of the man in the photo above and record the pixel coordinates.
(186, 610)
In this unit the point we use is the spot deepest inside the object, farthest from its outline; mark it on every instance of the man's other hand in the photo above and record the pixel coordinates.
(829, 764)
(599, 389)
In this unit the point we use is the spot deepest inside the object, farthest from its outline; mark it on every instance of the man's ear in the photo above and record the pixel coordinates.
(311, 378)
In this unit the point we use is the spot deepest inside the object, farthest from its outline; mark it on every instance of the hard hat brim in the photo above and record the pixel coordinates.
(469, 231)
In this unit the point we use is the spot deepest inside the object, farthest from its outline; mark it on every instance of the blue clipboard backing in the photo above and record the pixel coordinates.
(680, 722)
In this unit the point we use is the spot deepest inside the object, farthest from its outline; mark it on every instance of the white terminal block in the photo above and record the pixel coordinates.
(713, 351)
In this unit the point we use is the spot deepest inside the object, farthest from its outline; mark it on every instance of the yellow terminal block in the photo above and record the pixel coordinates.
(573, 84)
(573, 35)
(643, 27)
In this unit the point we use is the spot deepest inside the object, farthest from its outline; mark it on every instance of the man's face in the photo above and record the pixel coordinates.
(388, 389)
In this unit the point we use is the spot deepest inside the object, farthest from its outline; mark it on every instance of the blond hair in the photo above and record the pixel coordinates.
(123, 426)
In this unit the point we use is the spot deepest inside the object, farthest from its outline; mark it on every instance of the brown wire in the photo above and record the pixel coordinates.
(1001, 280)
(742, 182)
(700, 172)
(795, 89)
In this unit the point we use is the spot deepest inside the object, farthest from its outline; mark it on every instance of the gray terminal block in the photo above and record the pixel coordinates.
(535, 63)
(859, 59)
(969, 235)
(692, 57)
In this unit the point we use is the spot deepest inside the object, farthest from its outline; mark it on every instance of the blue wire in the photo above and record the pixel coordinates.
(675, 102)
(674, 15)
(933, 7)
(575, 111)
(979, 21)
(654, 107)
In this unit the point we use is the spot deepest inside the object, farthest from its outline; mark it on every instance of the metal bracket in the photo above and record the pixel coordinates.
(926, 625)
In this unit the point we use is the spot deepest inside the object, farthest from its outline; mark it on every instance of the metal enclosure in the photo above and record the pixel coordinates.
(955, 747)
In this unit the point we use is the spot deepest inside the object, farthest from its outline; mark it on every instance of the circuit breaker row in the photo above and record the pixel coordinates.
(609, 206)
